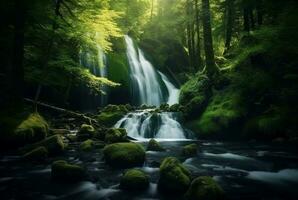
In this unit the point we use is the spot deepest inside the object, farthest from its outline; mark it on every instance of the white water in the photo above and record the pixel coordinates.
(150, 87)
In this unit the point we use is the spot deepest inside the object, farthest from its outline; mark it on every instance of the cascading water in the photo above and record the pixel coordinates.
(97, 64)
(147, 89)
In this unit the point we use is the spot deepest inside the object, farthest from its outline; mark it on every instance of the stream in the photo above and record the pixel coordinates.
(244, 170)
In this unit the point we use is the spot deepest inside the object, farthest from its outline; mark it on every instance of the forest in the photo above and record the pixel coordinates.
(149, 99)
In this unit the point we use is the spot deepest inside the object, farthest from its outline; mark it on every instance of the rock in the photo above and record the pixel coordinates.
(190, 150)
(53, 144)
(63, 171)
(86, 132)
(111, 114)
(204, 188)
(115, 135)
(87, 145)
(124, 155)
(134, 180)
(60, 132)
(37, 154)
(153, 145)
(164, 107)
(174, 177)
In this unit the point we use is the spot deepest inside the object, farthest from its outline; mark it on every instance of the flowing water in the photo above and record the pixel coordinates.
(148, 89)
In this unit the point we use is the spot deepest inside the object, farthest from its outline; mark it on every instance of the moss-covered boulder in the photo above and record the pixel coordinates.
(115, 135)
(194, 95)
(153, 145)
(86, 132)
(174, 177)
(204, 188)
(22, 128)
(222, 114)
(134, 179)
(63, 171)
(37, 154)
(53, 144)
(87, 145)
(111, 114)
(124, 155)
(190, 150)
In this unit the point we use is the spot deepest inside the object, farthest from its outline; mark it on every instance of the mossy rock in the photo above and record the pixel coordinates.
(22, 128)
(134, 179)
(164, 107)
(37, 154)
(115, 135)
(87, 145)
(53, 144)
(111, 114)
(86, 132)
(153, 145)
(124, 155)
(190, 150)
(65, 172)
(204, 188)
(174, 177)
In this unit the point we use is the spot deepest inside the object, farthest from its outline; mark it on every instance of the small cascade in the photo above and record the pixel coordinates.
(97, 65)
(150, 87)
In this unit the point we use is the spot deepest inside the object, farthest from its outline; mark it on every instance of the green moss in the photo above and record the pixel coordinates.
(190, 150)
(224, 109)
(22, 128)
(85, 132)
(115, 135)
(53, 144)
(174, 177)
(204, 188)
(153, 145)
(87, 145)
(124, 155)
(37, 154)
(111, 114)
(134, 180)
(63, 171)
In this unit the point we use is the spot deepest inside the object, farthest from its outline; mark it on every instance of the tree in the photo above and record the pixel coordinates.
(208, 41)
(198, 46)
(229, 23)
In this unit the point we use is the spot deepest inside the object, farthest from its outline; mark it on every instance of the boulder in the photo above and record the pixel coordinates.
(134, 180)
(86, 132)
(53, 144)
(204, 188)
(174, 177)
(111, 114)
(63, 171)
(153, 145)
(190, 150)
(37, 154)
(124, 155)
(115, 135)
(87, 145)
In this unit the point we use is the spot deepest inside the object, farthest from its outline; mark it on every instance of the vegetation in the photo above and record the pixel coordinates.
(134, 179)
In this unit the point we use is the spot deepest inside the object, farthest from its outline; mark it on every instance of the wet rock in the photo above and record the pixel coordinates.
(134, 180)
(174, 177)
(60, 131)
(115, 135)
(204, 188)
(190, 150)
(63, 171)
(87, 145)
(37, 154)
(111, 114)
(153, 145)
(124, 155)
(53, 144)
(86, 132)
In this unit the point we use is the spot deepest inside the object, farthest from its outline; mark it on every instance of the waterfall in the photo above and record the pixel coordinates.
(97, 65)
(147, 88)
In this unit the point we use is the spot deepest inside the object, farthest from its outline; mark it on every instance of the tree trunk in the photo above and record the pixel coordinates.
(208, 42)
(252, 18)
(246, 19)
(152, 5)
(229, 25)
(16, 73)
(260, 12)
(198, 46)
